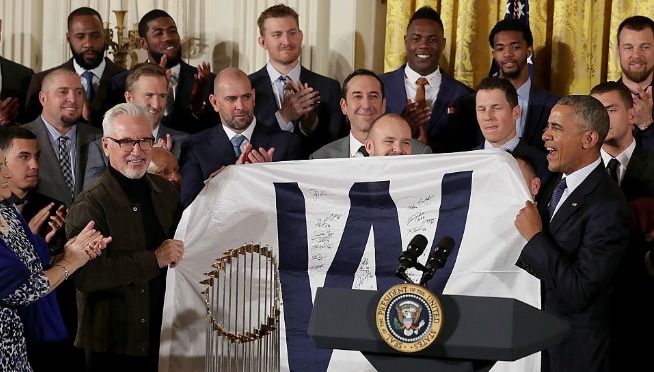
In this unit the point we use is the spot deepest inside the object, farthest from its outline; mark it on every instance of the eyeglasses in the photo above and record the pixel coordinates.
(127, 144)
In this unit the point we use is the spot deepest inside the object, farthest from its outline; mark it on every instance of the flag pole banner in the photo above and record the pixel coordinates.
(344, 223)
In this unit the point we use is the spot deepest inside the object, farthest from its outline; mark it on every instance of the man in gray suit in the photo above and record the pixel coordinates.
(63, 139)
(363, 102)
(147, 84)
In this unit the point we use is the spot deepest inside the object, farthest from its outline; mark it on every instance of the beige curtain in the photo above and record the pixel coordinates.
(574, 40)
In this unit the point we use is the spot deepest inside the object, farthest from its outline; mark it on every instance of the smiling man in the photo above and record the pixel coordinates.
(389, 135)
(85, 37)
(576, 235)
(437, 92)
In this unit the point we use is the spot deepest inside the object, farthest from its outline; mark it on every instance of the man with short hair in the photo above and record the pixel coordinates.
(188, 97)
(390, 134)
(120, 296)
(147, 84)
(15, 80)
(528, 170)
(86, 40)
(420, 91)
(63, 139)
(240, 139)
(164, 164)
(636, 52)
(289, 96)
(363, 101)
(576, 235)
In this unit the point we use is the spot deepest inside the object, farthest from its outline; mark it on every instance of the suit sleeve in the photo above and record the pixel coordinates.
(192, 177)
(33, 106)
(95, 164)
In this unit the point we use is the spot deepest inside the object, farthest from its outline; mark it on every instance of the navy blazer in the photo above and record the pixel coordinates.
(538, 113)
(575, 257)
(181, 119)
(15, 83)
(207, 151)
(331, 121)
(449, 94)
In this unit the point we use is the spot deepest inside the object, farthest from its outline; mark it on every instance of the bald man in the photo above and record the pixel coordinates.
(390, 134)
(240, 137)
(164, 164)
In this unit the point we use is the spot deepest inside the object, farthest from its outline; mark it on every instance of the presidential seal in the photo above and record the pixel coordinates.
(409, 317)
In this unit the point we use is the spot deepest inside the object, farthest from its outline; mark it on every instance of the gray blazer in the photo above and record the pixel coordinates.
(341, 149)
(98, 161)
(51, 179)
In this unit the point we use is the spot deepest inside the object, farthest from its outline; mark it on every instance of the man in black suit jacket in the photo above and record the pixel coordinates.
(240, 139)
(634, 172)
(430, 118)
(577, 235)
(190, 87)
(86, 40)
(302, 102)
(13, 92)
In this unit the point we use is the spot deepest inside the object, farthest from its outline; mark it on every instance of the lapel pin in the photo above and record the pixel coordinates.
(574, 204)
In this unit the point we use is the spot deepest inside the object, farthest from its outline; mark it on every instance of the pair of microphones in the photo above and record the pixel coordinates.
(436, 260)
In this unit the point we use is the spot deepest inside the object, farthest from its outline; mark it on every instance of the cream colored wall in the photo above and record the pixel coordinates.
(339, 35)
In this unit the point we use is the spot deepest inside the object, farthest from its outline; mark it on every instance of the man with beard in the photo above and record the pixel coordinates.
(86, 40)
(291, 97)
(15, 79)
(120, 297)
(190, 87)
(63, 139)
(636, 52)
(147, 84)
(420, 91)
(240, 139)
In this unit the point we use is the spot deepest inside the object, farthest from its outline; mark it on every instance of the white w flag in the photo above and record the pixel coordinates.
(343, 223)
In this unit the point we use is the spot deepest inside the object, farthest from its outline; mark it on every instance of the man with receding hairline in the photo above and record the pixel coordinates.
(164, 164)
(390, 134)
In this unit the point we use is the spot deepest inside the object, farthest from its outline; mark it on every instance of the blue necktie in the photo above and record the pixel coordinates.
(556, 196)
(88, 78)
(612, 168)
(64, 162)
(236, 143)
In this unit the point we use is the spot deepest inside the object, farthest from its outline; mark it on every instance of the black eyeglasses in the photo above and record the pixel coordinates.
(127, 144)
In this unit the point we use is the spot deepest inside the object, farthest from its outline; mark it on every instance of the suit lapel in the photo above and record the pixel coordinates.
(576, 199)
(224, 152)
(535, 110)
(440, 106)
(266, 104)
(50, 163)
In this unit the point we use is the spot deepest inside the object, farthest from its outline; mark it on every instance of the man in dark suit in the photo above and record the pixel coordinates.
(63, 139)
(190, 87)
(497, 111)
(362, 103)
(240, 139)
(147, 84)
(430, 114)
(635, 40)
(576, 235)
(297, 99)
(13, 92)
(633, 169)
(86, 40)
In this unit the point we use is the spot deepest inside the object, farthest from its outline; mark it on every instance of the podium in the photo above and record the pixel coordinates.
(476, 331)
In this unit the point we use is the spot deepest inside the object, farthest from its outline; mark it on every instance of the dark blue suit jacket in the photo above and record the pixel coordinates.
(181, 119)
(15, 83)
(449, 93)
(331, 121)
(575, 257)
(540, 105)
(205, 152)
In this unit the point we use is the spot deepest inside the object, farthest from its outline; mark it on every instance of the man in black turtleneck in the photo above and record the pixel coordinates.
(120, 296)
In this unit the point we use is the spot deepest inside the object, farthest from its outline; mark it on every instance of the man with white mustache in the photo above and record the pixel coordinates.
(59, 127)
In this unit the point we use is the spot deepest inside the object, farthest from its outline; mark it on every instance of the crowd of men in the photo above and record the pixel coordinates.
(88, 140)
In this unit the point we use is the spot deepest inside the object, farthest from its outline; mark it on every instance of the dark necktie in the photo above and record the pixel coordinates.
(88, 79)
(281, 86)
(420, 92)
(237, 140)
(612, 168)
(363, 151)
(556, 196)
(64, 162)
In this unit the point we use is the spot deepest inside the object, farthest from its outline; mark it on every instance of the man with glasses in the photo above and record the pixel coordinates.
(120, 297)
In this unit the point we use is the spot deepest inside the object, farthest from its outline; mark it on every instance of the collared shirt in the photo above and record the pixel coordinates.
(574, 179)
(175, 70)
(509, 145)
(53, 136)
(247, 133)
(523, 101)
(355, 145)
(431, 89)
(623, 158)
(97, 73)
(277, 86)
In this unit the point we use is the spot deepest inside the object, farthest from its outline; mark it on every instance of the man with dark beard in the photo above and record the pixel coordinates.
(190, 87)
(636, 51)
(86, 40)
(63, 139)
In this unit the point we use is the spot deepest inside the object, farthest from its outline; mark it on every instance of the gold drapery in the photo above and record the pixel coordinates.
(574, 40)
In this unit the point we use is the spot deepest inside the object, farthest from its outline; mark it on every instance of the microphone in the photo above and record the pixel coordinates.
(437, 258)
(409, 258)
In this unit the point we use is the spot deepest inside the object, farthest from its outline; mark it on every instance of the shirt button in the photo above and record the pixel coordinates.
(135, 209)
(142, 290)
(142, 320)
